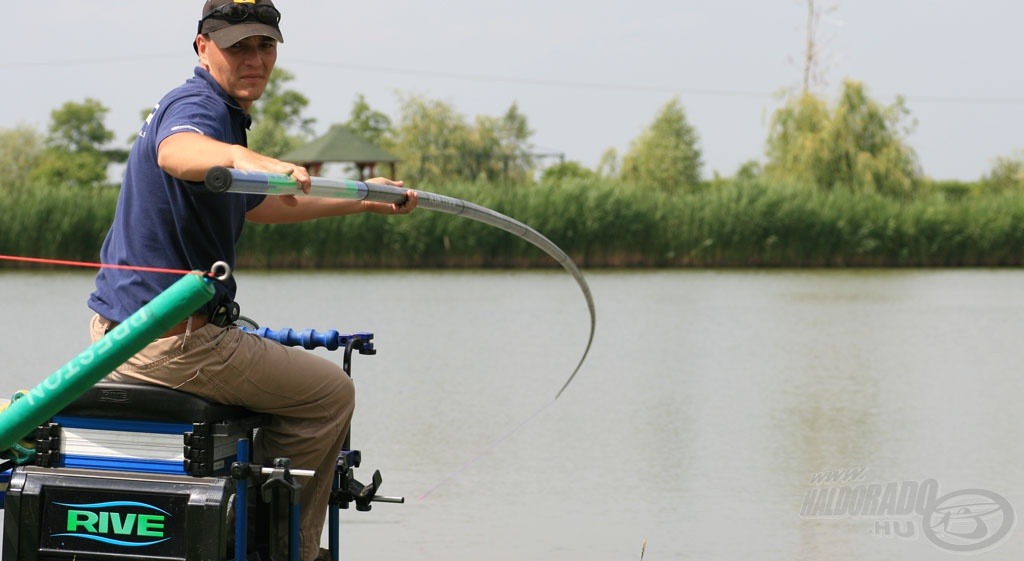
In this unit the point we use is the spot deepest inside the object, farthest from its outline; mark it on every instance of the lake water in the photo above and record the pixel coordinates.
(709, 401)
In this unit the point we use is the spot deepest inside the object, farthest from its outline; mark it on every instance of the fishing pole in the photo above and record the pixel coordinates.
(222, 179)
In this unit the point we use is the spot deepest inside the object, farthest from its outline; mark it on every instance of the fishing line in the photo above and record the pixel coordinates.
(485, 450)
(94, 265)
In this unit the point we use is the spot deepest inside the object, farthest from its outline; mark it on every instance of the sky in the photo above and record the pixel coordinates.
(589, 75)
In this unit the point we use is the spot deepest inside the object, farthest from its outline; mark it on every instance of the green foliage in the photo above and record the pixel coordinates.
(1007, 173)
(502, 148)
(858, 145)
(566, 170)
(749, 170)
(78, 127)
(369, 124)
(56, 221)
(798, 142)
(430, 138)
(278, 123)
(666, 155)
(56, 166)
(951, 189)
(75, 146)
(20, 149)
(599, 222)
(438, 145)
(608, 166)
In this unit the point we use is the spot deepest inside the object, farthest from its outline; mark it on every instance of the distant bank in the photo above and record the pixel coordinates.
(599, 223)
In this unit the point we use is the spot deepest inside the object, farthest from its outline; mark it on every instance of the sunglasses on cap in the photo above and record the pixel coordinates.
(236, 13)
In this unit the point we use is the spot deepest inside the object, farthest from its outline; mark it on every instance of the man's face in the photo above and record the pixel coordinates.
(243, 69)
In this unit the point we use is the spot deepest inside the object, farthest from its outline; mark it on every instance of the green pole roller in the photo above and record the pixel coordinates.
(62, 387)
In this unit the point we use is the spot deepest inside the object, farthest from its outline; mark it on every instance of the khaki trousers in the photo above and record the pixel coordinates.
(310, 399)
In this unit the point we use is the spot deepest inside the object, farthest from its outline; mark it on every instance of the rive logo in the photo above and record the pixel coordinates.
(116, 523)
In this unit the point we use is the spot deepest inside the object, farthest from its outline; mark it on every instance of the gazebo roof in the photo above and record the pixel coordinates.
(339, 145)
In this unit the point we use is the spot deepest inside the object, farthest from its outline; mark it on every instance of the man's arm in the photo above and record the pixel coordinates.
(188, 156)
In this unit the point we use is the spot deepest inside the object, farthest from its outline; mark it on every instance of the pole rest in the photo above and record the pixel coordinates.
(310, 339)
(352, 491)
(243, 470)
(281, 476)
(349, 458)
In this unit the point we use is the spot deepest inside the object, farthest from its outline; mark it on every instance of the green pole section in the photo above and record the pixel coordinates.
(102, 357)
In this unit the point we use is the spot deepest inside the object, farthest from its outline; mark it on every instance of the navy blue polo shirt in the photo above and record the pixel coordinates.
(165, 222)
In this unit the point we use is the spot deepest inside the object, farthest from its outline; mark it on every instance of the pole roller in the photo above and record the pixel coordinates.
(62, 387)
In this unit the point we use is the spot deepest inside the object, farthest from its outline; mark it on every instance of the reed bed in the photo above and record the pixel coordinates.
(55, 222)
(599, 223)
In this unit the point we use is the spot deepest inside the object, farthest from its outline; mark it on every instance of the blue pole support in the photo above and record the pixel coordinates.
(293, 530)
(242, 504)
(334, 513)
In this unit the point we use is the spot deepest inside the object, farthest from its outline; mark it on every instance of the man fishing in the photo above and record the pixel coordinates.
(165, 218)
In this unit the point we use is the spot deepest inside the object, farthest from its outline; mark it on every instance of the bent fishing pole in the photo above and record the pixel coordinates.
(221, 179)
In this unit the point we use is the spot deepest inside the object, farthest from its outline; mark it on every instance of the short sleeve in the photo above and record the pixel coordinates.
(200, 114)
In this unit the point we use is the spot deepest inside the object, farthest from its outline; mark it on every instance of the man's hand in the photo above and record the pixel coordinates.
(411, 199)
(247, 160)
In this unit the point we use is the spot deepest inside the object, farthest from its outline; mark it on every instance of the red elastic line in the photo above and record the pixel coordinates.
(95, 265)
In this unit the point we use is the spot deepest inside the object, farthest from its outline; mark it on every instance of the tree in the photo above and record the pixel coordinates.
(608, 166)
(78, 127)
(500, 148)
(440, 145)
(749, 170)
(369, 124)
(430, 136)
(20, 149)
(798, 142)
(666, 154)
(278, 123)
(514, 134)
(58, 167)
(1007, 173)
(75, 151)
(566, 170)
(858, 145)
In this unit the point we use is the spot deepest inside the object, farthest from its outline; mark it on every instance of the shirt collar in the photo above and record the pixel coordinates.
(203, 75)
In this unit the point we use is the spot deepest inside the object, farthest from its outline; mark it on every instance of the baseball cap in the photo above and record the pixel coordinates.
(229, 21)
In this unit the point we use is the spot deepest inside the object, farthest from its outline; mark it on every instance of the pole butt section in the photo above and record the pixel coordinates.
(218, 179)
